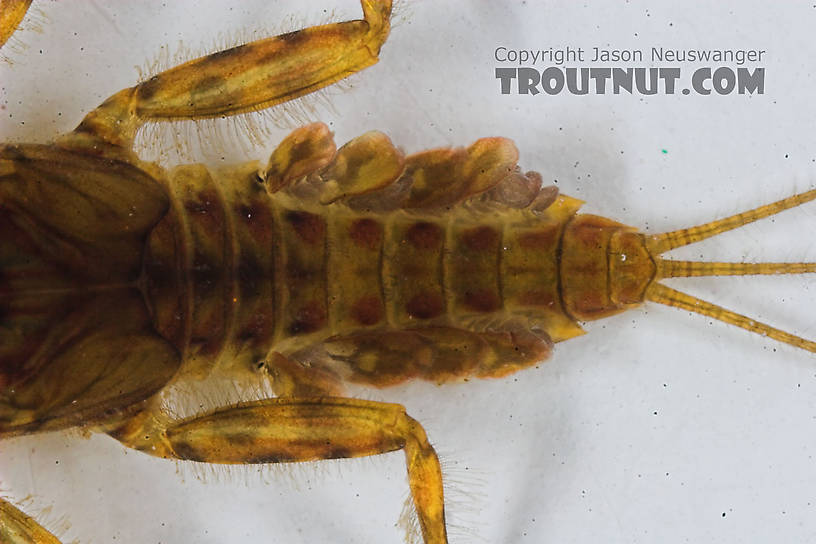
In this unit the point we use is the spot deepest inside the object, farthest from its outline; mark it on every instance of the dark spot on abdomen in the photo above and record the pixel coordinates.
(482, 300)
(425, 236)
(425, 305)
(366, 233)
(481, 238)
(308, 318)
(309, 227)
(368, 310)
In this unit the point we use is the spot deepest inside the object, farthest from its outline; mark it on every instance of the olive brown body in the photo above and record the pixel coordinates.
(122, 281)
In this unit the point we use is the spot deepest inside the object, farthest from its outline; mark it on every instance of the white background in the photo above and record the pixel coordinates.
(656, 426)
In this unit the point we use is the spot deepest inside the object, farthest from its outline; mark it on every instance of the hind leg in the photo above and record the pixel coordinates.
(289, 430)
(11, 15)
(16, 527)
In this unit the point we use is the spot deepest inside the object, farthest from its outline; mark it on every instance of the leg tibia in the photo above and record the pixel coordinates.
(16, 527)
(425, 479)
(296, 429)
(11, 15)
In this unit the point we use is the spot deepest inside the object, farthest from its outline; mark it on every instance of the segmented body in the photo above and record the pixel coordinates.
(435, 268)
(375, 289)
(341, 283)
